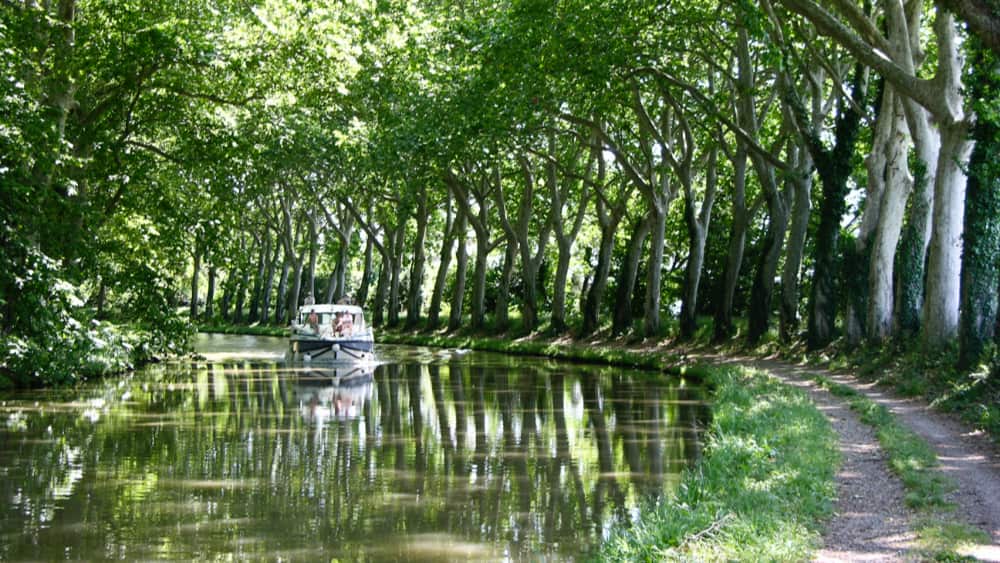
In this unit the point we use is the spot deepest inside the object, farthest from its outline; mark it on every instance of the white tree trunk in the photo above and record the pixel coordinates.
(945, 260)
(944, 264)
(898, 183)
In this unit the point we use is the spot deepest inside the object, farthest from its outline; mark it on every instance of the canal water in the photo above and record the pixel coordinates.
(435, 455)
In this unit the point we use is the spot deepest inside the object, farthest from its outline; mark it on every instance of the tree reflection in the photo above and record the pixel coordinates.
(255, 460)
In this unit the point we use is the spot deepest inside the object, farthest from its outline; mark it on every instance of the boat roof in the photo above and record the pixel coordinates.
(332, 308)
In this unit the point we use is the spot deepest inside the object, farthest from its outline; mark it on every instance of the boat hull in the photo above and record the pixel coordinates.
(331, 350)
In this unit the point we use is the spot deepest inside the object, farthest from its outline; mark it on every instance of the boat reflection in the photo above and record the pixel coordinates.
(334, 393)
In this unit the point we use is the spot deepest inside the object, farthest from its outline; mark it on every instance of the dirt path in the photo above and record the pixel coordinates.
(871, 522)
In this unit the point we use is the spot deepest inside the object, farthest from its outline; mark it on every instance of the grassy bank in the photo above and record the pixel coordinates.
(253, 330)
(913, 459)
(663, 361)
(760, 492)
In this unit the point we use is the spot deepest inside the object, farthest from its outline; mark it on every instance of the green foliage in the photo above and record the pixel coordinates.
(981, 236)
(52, 339)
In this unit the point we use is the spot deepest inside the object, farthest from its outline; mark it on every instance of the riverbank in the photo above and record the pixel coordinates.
(78, 353)
(763, 489)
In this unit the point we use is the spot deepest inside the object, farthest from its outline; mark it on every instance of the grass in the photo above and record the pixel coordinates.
(567, 352)
(761, 490)
(916, 464)
(254, 330)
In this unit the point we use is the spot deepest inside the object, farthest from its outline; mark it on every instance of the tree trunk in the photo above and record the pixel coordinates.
(944, 261)
(834, 169)
(801, 179)
(294, 291)
(767, 266)
(272, 266)
(857, 280)
(479, 282)
(503, 291)
(461, 271)
(697, 227)
(447, 244)
(381, 293)
(898, 184)
(241, 295)
(210, 296)
(258, 282)
(737, 242)
(651, 325)
(622, 320)
(592, 308)
(558, 322)
(415, 296)
(396, 242)
(529, 309)
(228, 291)
(366, 274)
(313, 251)
(981, 250)
(911, 259)
(193, 310)
(282, 297)
(332, 291)
(566, 234)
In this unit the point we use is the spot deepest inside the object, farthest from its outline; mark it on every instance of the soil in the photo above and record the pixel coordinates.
(871, 521)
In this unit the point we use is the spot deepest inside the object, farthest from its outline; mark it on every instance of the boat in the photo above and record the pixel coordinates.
(331, 333)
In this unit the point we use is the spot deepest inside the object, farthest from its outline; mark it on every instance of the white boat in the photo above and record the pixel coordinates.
(331, 333)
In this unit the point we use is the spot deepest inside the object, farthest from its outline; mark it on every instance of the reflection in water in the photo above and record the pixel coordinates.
(432, 456)
(334, 393)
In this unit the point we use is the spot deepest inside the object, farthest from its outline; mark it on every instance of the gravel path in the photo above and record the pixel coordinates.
(871, 522)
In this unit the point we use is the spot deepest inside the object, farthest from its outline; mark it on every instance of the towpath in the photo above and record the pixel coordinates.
(871, 521)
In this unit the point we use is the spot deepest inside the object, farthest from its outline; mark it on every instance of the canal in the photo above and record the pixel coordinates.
(434, 455)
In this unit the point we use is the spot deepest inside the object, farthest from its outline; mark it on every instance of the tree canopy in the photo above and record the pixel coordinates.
(645, 168)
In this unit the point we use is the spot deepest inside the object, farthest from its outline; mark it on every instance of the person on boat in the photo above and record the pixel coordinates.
(314, 322)
(310, 300)
(347, 324)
